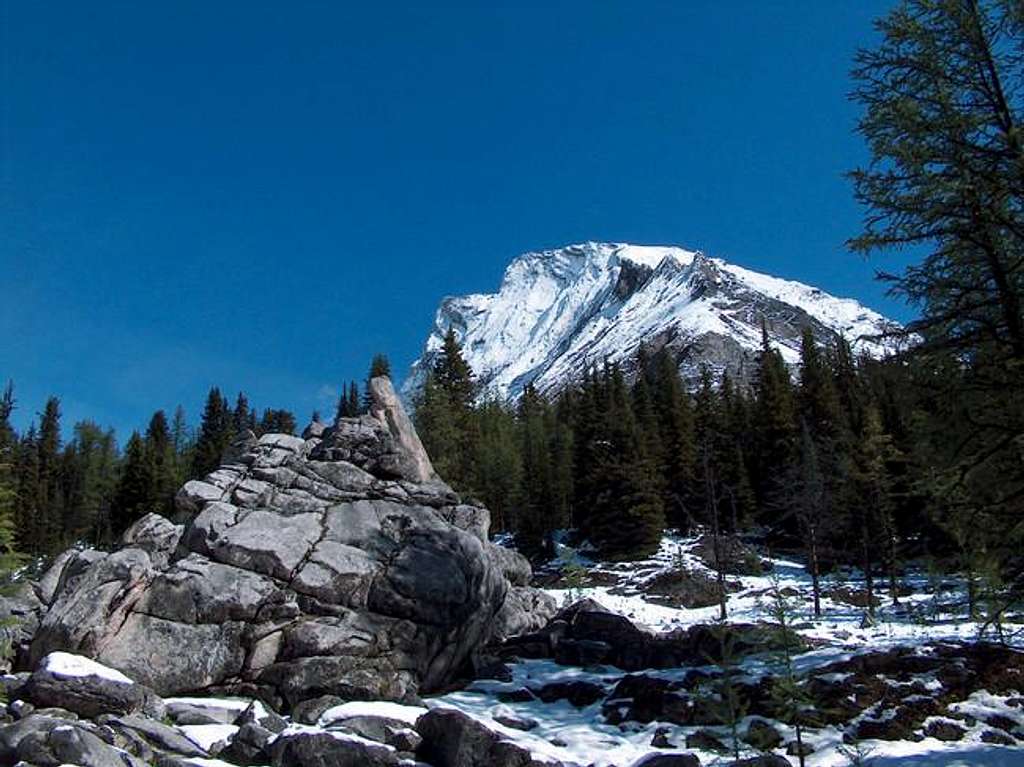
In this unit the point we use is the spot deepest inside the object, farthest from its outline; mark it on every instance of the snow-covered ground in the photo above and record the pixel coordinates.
(582, 736)
(922, 615)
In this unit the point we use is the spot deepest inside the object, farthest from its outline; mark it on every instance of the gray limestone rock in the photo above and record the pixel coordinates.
(335, 565)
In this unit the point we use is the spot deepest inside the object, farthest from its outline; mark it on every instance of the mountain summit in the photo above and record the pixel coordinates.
(560, 311)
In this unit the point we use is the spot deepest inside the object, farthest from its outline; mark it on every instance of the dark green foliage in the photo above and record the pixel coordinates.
(91, 478)
(134, 492)
(160, 462)
(626, 513)
(348, 402)
(445, 416)
(244, 417)
(85, 491)
(775, 423)
(276, 422)
(216, 431)
(942, 119)
(677, 457)
(10, 557)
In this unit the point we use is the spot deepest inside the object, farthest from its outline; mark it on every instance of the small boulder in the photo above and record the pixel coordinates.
(506, 716)
(705, 740)
(454, 739)
(997, 738)
(578, 692)
(679, 759)
(248, 746)
(762, 736)
(943, 729)
(88, 688)
(328, 749)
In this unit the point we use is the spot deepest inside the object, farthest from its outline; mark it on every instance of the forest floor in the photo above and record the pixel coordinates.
(930, 611)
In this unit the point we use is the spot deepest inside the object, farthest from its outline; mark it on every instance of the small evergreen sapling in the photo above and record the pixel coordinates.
(789, 699)
(727, 704)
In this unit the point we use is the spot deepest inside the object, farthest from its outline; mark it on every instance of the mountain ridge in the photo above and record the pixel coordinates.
(559, 311)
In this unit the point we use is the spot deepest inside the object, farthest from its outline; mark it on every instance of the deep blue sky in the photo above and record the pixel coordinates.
(262, 195)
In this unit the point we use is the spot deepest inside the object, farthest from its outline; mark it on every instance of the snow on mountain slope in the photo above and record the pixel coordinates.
(560, 311)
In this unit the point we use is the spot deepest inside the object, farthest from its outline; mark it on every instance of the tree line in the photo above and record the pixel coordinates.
(89, 489)
(55, 492)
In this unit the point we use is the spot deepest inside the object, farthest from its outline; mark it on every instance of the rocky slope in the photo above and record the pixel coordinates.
(559, 311)
(336, 564)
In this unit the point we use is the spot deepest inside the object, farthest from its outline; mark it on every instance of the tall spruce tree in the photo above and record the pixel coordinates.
(498, 464)
(216, 431)
(27, 518)
(95, 476)
(628, 515)
(160, 460)
(10, 557)
(51, 505)
(379, 366)
(134, 489)
(678, 439)
(446, 418)
(775, 423)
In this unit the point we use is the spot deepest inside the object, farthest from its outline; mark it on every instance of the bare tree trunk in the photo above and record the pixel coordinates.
(712, 500)
(812, 535)
(869, 582)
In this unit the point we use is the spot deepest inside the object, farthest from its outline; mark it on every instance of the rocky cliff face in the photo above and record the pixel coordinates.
(338, 563)
(558, 312)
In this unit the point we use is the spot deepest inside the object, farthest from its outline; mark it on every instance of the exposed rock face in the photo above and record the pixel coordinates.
(339, 564)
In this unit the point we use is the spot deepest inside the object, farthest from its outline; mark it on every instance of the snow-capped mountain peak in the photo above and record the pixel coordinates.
(557, 312)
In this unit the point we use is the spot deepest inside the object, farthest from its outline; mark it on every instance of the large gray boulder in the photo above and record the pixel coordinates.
(336, 565)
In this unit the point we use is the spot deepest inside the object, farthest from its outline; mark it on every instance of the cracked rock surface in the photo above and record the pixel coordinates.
(336, 564)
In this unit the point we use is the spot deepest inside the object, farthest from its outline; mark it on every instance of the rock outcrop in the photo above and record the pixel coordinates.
(337, 564)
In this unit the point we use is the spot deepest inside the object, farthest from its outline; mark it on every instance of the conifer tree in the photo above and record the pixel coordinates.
(436, 424)
(874, 486)
(135, 488)
(448, 416)
(353, 399)
(216, 431)
(277, 422)
(10, 557)
(243, 417)
(182, 442)
(809, 500)
(160, 460)
(731, 455)
(379, 366)
(534, 523)
(50, 506)
(498, 464)
(342, 408)
(678, 439)
(28, 520)
(628, 516)
(95, 478)
(8, 438)
(774, 422)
